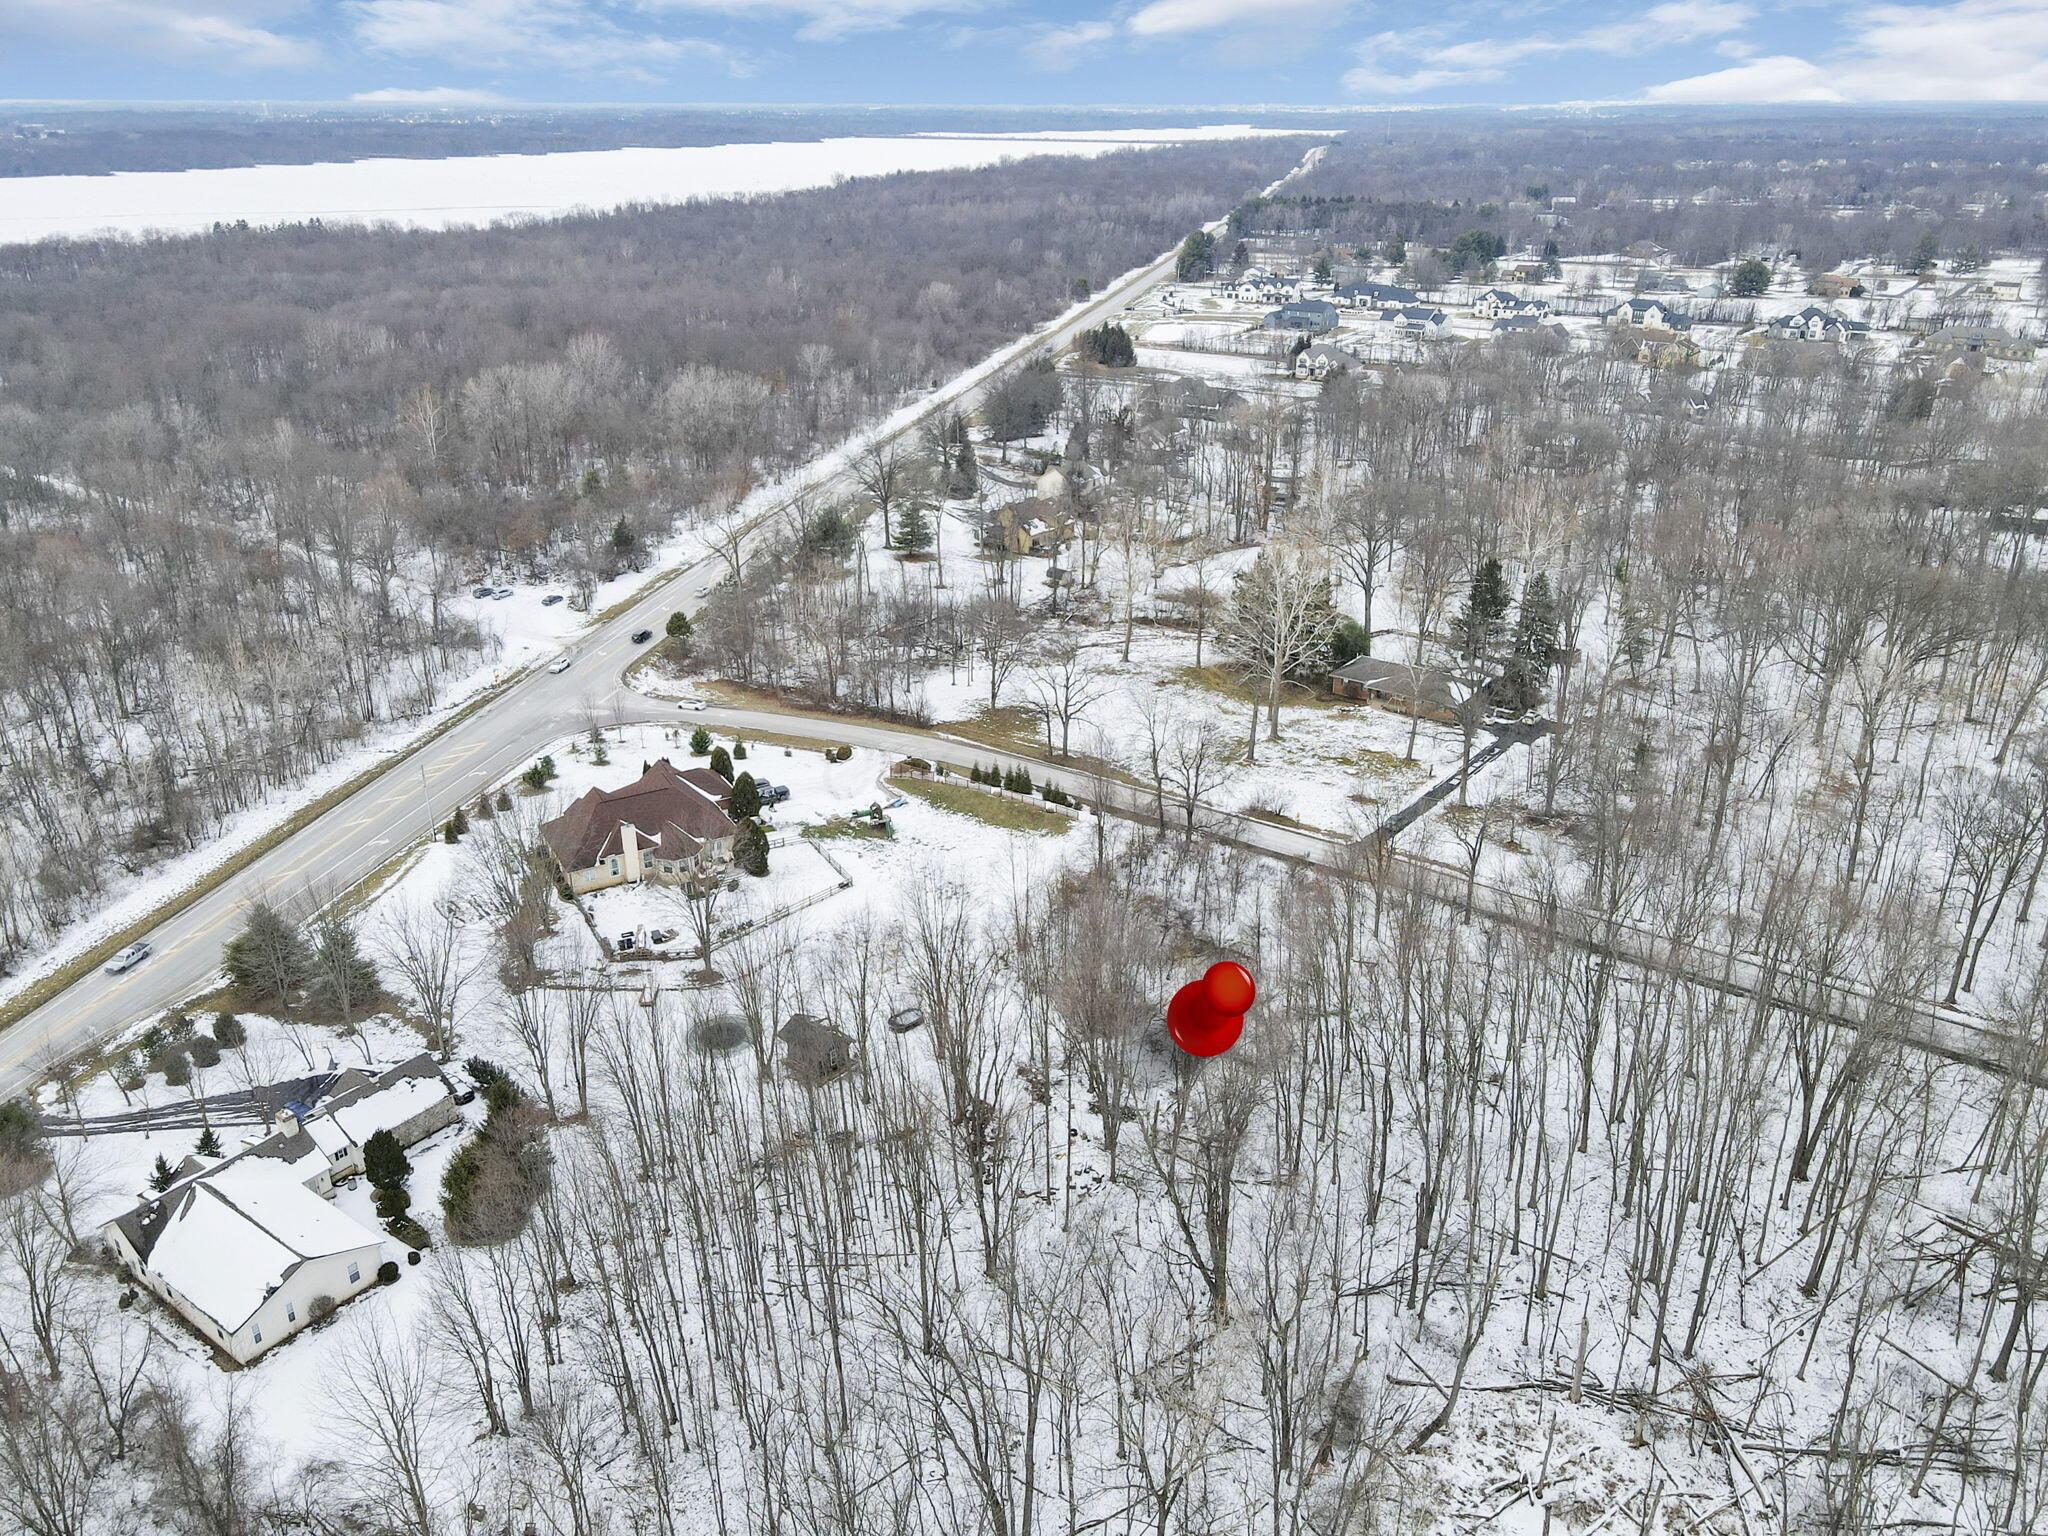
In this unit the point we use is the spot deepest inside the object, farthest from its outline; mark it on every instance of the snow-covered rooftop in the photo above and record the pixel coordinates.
(242, 1229)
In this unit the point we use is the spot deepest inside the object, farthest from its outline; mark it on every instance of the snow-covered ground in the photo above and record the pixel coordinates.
(484, 189)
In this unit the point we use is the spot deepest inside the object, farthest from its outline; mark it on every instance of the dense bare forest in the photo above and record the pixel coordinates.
(1705, 189)
(243, 473)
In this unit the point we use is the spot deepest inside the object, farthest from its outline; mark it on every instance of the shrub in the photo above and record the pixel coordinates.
(392, 1202)
(387, 1273)
(204, 1050)
(721, 763)
(174, 1064)
(739, 751)
(229, 1030)
(319, 1307)
(412, 1253)
(700, 742)
(483, 1071)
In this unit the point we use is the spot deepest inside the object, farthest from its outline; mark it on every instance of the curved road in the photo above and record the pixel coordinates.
(417, 791)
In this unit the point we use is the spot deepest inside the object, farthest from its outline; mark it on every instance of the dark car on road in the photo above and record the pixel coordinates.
(642, 636)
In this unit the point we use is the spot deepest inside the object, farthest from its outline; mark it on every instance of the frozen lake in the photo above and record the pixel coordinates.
(470, 190)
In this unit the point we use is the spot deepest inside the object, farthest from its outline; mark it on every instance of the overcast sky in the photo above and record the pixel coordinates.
(1195, 53)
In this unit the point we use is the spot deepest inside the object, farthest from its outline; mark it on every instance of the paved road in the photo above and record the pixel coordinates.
(418, 790)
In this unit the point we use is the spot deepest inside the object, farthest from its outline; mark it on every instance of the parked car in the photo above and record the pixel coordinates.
(628, 941)
(905, 1017)
(551, 599)
(559, 664)
(460, 1083)
(479, 591)
(642, 636)
(772, 794)
(129, 958)
(502, 592)
(660, 936)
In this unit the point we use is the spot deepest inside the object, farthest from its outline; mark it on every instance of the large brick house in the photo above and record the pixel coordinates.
(670, 826)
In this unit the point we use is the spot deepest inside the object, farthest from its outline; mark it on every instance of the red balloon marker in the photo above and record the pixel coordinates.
(1205, 1017)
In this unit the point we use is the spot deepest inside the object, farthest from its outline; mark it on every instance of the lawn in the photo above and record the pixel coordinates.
(1012, 812)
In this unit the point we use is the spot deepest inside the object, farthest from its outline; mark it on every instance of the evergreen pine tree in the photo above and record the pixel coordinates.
(750, 848)
(209, 1143)
(746, 798)
(721, 763)
(739, 751)
(161, 1175)
(268, 959)
(700, 742)
(914, 528)
(342, 973)
(1485, 606)
(385, 1164)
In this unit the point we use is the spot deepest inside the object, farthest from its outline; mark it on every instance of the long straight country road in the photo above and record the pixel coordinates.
(417, 790)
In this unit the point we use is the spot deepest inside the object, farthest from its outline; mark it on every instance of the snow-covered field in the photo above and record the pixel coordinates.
(483, 189)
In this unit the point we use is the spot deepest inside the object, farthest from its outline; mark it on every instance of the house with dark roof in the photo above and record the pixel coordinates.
(1816, 324)
(1431, 692)
(1499, 304)
(1977, 341)
(669, 826)
(1646, 313)
(1311, 316)
(1321, 360)
(1376, 296)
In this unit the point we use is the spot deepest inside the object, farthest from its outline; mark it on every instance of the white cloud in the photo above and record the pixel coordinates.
(1165, 18)
(1975, 50)
(1058, 48)
(230, 32)
(561, 34)
(824, 20)
(1780, 77)
(1431, 62)
(428, 96)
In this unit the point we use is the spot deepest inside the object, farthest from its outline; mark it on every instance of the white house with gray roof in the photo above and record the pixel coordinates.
(247, 1248)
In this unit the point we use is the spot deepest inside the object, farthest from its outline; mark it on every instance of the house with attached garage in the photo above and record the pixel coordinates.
(1322, 360)
(1310, 316)
(668, 826)
(1977, 341)
(1499, 304)
(1376, 296)
(1646, 313)
(247, 1248)
(1816, 324)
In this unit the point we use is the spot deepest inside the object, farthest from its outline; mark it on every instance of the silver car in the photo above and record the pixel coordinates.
(129, 958)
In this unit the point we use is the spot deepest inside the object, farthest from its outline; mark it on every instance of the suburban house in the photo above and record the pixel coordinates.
(1031, 525)
(1310, 316)
(1416, 320)
(1430, 692)
(1258, 286)
(1376, 296)
(1646, 313)
(247, 1248)
(1067, 481)
(666, 826)
(1993, 341)
(1525, 325)
(1498, 304)
(1321, 360)
(1816, 324)
(1837, 285)
(1524, 270)
(1190, 397)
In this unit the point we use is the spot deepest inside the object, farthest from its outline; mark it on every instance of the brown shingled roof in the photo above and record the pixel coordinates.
(664, 806)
